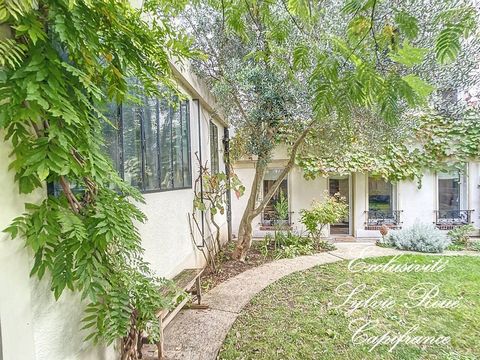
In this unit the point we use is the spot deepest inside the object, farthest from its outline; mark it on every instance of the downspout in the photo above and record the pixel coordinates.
(226, 145)
(199, 124)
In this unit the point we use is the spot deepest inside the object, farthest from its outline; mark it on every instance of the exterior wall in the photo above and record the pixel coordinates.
(301, 193)
(418, 204)
(33, 324)
(166, 235)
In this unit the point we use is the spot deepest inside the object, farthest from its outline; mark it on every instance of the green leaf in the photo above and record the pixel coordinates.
(421, 87)
(409, 55)
(298, 7)
(352, 6)
(300, 56)
(407, 24)
(43, 172)
(447, 45)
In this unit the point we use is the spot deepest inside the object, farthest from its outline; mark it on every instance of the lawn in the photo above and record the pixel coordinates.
(302, 317)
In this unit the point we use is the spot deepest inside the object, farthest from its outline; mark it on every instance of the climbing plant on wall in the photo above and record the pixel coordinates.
(59, 60)
(434, 142)
(284, 68)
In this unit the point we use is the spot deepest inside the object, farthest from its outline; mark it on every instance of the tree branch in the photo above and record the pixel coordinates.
(285, 170)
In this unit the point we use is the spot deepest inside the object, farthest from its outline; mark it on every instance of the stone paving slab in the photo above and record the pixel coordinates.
(199, 334)
(233, 294)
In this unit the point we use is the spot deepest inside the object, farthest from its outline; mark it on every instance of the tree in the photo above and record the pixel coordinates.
(211, 190)
(60, 61)
(286, 69)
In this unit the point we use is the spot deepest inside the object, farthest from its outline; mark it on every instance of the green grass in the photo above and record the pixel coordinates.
(298, 317)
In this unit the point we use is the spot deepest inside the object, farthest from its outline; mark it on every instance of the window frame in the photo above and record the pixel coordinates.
(462, 188)
(287, 180)
(214, 148)
(183, 112)
(393, 200)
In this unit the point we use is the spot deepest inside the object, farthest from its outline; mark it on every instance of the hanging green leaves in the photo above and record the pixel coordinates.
(61, 60)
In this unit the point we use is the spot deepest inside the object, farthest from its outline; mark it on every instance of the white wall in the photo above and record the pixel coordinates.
(301, 194)
(36, 327)
(474, 191)
(245, 175)
(166, 236)
(360, 205)
(418, 203)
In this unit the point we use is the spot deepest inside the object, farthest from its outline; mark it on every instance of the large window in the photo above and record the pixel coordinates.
(151, 148)
(450, 191)
(270, 216)
(452, 204)
(380, 195)
(214, 161)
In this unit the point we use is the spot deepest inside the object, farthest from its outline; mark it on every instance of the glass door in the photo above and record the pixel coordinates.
(340, 185)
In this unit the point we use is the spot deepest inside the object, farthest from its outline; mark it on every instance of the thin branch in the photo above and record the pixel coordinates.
(365, 35)
(285, 170)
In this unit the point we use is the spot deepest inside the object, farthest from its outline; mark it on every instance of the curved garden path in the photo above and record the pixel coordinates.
(199, 334)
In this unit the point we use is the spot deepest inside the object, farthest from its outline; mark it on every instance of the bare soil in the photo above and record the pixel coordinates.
(228, 268)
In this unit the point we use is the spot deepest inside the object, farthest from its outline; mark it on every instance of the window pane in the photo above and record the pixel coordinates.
(449, 191)
(177, 149)
(187, 174)
(151, 178)
(271, 176)
(110, 134)
(132, 149)
(380, 195)
(214, 148)
(166, 180)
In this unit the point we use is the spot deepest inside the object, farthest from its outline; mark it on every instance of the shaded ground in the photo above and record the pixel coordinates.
(228, 268)
(298, 317)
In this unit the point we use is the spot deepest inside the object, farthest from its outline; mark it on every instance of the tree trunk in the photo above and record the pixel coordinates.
(217, 232)
(251, 211)
(245, 229)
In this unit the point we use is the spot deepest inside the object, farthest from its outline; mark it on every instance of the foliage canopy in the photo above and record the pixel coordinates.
(60, 61)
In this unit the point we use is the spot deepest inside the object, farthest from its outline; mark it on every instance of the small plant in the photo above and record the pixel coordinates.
(210, 190)
(287, 244)
(475, 246)
(331, 210)
(419, 237)
(281, 209)
(460, 235)
(456, 247)
(325, 245)
(264, 246)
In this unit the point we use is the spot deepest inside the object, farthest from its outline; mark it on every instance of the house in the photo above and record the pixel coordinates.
(155, 150)
(444, 199)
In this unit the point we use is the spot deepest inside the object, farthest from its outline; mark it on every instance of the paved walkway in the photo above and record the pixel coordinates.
(199, 334)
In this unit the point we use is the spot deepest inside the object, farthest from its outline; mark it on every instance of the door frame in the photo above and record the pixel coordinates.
(349, 200)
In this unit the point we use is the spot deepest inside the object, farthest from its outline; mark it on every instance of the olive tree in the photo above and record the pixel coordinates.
(282, 69)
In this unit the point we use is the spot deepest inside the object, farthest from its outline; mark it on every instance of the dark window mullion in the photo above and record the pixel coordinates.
(143, 146)
(171, 170)
(120, 141)
(181, 142)
(187, 115)
(159, 155)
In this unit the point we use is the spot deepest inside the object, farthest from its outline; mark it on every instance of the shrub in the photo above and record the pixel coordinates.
(288, 244)
(460, 234)
(331, 210)
(281, 209)
(475, 246)
(456, 247)
(419, 237)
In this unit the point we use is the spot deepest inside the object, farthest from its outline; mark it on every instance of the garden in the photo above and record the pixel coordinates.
(309, 315)
(127, 128)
